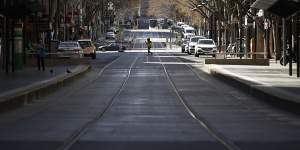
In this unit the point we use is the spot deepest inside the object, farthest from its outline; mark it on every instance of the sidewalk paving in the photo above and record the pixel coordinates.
(28, 76)
(273, 80)
(21, 87)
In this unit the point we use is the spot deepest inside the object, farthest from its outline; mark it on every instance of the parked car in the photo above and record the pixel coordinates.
(180, 23)
(206, 47)
(70, 49)
(192, 44)
(99, 42)
(111, 47)
(110, 35)
(112, 29)
(88, 48)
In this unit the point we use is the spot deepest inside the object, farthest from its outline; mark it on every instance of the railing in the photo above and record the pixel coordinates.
(239, 54)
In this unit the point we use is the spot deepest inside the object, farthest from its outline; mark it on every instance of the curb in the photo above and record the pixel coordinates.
(25, 95)
(251, 86)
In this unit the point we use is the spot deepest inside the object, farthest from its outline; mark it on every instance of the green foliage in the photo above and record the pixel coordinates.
(224, 10)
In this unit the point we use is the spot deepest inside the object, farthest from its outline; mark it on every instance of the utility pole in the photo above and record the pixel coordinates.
(171, 34)
(140, 5)
(241, 37)
(297, 48)
(290, 43)
(284, 39)
(6, 40)
(7, 59)
(12, 40)
(57, 20)
(49, 25)
(1, 40)
(65, 21)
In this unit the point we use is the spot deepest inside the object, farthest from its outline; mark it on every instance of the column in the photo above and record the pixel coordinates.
(18, 45)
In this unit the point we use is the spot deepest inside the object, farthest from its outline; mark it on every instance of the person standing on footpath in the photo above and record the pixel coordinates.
(41, 54)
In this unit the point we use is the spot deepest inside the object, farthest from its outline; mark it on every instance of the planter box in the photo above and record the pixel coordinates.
(255, 62)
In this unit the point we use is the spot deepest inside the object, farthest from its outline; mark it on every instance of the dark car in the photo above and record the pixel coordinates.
(111, 47)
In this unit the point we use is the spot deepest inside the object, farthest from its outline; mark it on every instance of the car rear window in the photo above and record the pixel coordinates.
(207, 42)
(196, 39)
(68, 44)
(85, 44)
(190, 31)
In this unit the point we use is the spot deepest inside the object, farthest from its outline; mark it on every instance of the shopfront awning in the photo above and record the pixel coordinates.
(283, 8)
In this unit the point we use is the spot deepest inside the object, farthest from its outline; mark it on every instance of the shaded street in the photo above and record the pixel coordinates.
(221, 75)
(135, 104)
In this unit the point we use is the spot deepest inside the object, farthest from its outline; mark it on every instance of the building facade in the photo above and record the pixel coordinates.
(49, 21)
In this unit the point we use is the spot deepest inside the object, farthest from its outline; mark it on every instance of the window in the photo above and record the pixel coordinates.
(85, 44)
(153, 23)
(68, 45)
(196, 39)
(206, 42)
(189, 31)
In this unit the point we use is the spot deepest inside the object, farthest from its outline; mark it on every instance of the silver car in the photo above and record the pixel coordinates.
(206, 47)
(69, 49)
(192, 44)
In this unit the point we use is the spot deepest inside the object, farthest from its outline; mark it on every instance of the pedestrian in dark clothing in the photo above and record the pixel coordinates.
(149, 45)
(41, 54)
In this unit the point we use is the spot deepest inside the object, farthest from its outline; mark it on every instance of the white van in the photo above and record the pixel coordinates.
(180, 24)
(188, 32)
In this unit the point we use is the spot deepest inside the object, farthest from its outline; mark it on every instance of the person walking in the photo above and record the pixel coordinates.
(149, 45)
(41, 54)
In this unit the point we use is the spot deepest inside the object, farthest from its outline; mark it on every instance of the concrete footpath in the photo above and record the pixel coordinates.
(21, 87)
(272, 81)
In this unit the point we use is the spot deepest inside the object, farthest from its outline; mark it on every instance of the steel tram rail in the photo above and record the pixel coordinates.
(68, 143)
(73, 90)
(228, 144)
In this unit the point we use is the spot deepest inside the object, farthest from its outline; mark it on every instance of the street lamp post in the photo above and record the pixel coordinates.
(111, 10)
(284, 39)
(49, 25)
(246, 37)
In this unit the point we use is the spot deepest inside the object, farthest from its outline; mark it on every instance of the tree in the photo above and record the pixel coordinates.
(226, 14)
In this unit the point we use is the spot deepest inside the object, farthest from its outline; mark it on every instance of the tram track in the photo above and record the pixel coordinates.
(227, 143)
(68, 143)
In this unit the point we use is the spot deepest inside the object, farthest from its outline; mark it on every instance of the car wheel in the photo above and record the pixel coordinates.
(214, 55)
(196, 55)
(94, 55)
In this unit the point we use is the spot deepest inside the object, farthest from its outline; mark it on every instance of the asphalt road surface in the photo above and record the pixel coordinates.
(148, 102)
